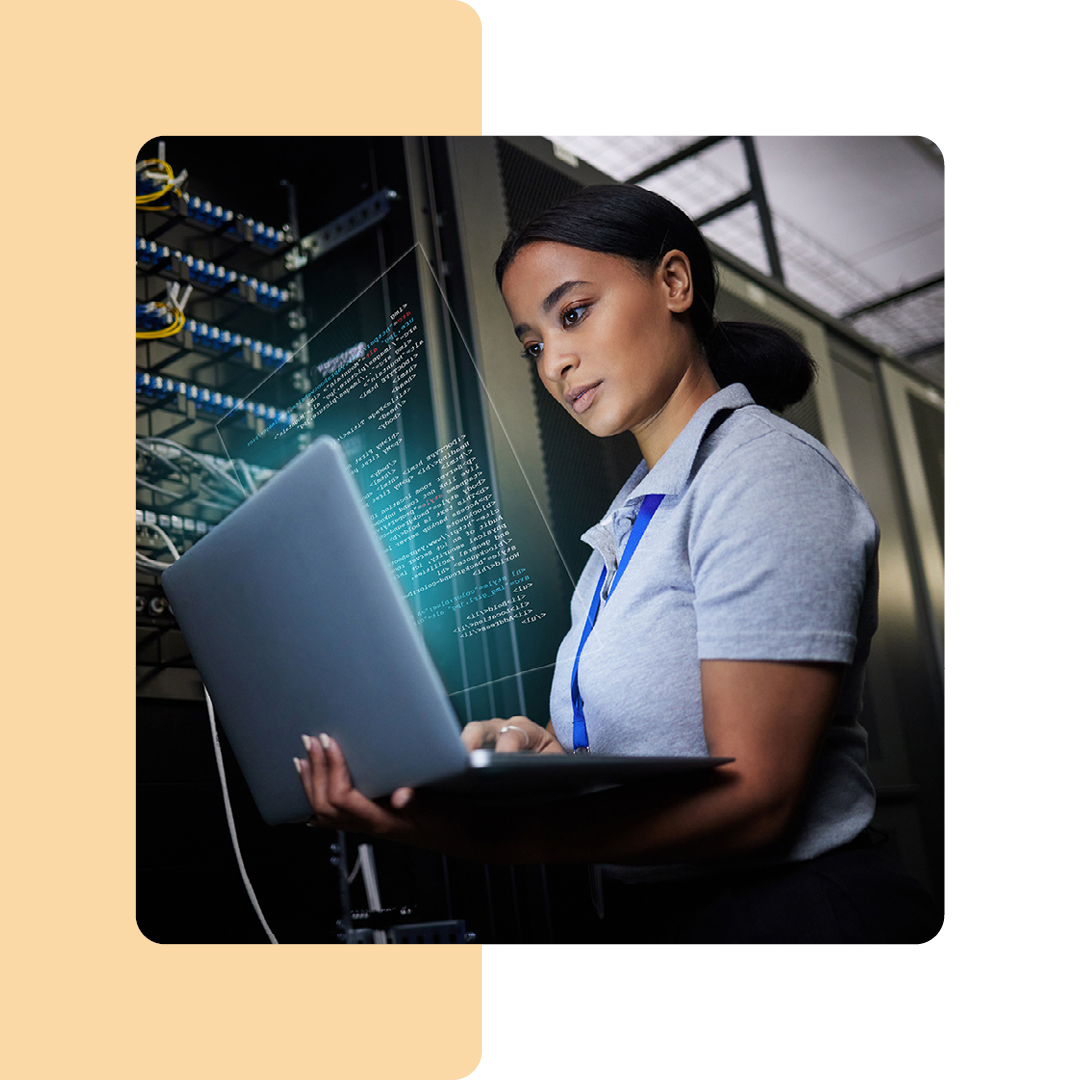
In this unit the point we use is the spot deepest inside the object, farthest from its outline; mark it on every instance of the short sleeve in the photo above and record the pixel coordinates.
(780, 546)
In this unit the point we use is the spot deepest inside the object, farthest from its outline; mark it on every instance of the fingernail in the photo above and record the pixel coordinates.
(306, 741)
(325, 740)
(296, 762)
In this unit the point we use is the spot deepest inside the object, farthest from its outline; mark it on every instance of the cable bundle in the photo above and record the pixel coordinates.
(153, 184)
(149, 318)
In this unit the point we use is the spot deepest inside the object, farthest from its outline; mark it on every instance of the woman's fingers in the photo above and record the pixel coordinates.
(480, 734)
(506, 736)
(327, 782)
(401, 798)
(339, 785)
(336, 802)
(313, 774)
(513, 736)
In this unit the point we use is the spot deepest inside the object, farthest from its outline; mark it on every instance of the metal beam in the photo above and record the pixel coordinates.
(360, 218)
(720, 211)
(757, 189)
(755, 194)
(690, 151)
(892, 298)
(925, 350)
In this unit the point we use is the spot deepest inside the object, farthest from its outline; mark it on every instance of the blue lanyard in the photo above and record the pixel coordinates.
(641, 523)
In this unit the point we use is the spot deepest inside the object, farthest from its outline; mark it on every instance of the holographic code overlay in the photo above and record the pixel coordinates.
(466, 568)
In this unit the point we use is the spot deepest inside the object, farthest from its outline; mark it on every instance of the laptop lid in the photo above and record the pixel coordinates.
(298, 625)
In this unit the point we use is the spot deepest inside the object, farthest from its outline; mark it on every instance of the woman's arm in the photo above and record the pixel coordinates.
(768, 716)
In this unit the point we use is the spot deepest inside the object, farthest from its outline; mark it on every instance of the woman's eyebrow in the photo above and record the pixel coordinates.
(558, 293)
(550, 301)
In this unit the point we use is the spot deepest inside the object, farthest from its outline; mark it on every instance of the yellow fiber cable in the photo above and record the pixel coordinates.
(168, 331)
(152, 196)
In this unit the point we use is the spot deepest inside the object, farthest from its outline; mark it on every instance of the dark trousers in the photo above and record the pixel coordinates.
(854, 894)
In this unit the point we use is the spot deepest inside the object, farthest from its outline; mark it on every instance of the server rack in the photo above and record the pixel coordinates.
(275, 237)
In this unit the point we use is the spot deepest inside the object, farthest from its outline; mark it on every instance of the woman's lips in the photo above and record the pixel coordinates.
(580, 400)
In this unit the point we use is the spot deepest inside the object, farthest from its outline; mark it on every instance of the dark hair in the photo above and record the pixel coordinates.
(641, 226)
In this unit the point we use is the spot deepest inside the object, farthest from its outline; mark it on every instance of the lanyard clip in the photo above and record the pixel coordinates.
(581, 749)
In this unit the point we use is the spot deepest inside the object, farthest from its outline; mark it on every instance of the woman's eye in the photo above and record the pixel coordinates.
(572, 316)
(532, 352)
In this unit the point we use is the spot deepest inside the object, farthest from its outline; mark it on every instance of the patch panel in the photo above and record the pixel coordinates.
(214, 218)
(166, 261)
(202, 335)
(150, 317)
(157, 189)
(159, 388)
(243, 228)
(174, 523)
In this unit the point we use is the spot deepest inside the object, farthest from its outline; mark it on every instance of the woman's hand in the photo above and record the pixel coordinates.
(516, 734)
(337, 804)
(422, 819)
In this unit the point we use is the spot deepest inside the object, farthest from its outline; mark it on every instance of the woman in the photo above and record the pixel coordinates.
(727, 609)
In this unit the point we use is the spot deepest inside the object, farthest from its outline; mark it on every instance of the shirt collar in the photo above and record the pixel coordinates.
(671, 474)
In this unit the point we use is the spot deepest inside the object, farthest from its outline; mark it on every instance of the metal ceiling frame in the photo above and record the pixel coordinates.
(755, 193)
(896, 297)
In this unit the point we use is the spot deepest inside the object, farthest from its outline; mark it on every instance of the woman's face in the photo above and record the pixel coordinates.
(606, 340)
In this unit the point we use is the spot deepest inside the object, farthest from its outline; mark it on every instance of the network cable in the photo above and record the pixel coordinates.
(150, 317)
(144, 562)
(160, 448)
(149, 314)
(210, 477)
(232, 824)
(146, 176)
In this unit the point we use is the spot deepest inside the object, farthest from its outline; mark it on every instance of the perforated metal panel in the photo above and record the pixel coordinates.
(529, 184)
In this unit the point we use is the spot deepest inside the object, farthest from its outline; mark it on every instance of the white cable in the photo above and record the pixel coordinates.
(153, 565)
(371, 881)
(244, 470)
(205, 460)
(232, 824)
(366, 858)
(164, 536)
(144, 562)
(227, 507)
(356, 866)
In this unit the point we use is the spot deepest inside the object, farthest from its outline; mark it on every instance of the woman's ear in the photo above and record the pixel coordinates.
(677, 281)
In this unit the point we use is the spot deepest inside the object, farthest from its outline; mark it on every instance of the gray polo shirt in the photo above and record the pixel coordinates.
(762, 549)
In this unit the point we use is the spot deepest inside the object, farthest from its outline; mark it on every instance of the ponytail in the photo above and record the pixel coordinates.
(641, 226)
(769, 362)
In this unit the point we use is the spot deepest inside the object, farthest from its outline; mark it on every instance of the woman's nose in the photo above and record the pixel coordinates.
(557, 363)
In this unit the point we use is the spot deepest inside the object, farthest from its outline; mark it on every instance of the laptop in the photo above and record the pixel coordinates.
(297, 625)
